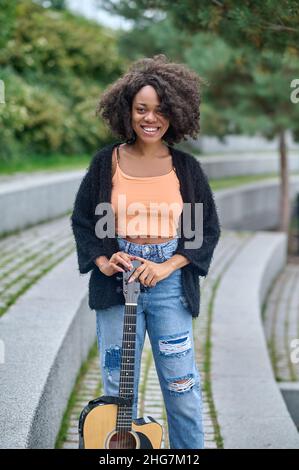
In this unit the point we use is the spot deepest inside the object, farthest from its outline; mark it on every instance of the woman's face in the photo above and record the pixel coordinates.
(147, 121)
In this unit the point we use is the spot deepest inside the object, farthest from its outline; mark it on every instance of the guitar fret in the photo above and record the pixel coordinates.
(126, 383)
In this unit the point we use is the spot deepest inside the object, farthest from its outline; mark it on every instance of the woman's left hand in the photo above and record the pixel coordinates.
(149, 272)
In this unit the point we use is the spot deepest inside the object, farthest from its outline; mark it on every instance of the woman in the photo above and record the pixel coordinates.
(154, 105)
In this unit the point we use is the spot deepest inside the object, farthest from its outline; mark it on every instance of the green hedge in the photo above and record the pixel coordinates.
(55, 66)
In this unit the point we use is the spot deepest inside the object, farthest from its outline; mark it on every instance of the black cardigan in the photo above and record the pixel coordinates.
(96, 186)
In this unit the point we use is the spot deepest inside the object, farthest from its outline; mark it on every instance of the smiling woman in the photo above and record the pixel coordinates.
(155, 104)
(174, 106)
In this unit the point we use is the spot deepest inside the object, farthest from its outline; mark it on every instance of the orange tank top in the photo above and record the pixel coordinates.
(146, 206)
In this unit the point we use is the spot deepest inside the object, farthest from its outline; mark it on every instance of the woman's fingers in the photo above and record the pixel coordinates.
(139, 258)
(140, 273)
(150, 280)
(119, 258)
(128, 258)
(117, 268)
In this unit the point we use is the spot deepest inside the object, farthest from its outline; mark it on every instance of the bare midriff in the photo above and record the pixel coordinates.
(148, 240)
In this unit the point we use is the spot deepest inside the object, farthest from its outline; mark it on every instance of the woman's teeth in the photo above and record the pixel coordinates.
(150, 130)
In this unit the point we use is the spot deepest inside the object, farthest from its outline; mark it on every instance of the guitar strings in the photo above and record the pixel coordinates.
(130, 326)
(130, 320)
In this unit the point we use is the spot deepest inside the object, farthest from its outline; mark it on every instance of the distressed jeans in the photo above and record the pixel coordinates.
(162, 312)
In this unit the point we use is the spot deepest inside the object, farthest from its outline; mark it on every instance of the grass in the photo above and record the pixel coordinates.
(58, 162)
(53, 162)
(207, 368)
(73, 398)
(233, 181)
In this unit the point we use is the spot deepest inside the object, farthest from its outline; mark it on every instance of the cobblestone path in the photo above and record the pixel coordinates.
(28, 255)
(281, 323)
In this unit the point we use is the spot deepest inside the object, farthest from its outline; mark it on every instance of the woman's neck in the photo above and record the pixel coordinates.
(144, 150)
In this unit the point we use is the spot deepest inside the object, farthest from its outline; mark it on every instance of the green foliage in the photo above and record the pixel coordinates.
(248, 92)
(56, 4)
(54, 66)
(154, 38)
(262, 24)
(7, 20)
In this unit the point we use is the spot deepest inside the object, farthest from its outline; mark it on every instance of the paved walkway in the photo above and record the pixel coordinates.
(28, 255)
(281, 323)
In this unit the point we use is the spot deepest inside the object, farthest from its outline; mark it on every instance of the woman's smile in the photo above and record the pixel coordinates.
(150, 130)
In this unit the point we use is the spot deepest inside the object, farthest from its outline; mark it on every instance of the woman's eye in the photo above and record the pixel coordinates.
(140, 110)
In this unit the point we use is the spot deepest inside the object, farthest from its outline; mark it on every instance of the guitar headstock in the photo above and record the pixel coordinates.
(131, 291)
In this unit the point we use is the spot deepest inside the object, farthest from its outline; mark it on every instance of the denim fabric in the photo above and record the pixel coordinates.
(163, 312)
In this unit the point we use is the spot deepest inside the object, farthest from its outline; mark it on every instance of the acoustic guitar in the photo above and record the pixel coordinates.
(106, 422)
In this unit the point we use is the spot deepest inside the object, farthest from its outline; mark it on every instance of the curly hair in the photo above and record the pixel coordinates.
(178, 89)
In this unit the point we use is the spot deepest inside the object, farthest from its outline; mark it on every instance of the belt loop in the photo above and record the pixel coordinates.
(160, 251)
(127, 246)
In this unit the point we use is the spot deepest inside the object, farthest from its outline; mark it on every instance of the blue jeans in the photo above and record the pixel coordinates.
(163, 312)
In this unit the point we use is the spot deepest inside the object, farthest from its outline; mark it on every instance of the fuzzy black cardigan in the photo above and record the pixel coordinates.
(96, 186)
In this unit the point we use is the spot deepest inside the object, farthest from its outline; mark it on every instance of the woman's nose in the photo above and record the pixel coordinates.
(150, 117)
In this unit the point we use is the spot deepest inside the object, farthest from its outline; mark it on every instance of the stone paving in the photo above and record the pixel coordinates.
(27, 255)
(151, 400)
(281, 322)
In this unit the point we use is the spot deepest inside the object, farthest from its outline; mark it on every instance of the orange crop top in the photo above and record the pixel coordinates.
(146, 206)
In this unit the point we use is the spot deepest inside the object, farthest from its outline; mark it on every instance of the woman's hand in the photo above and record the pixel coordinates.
(149, 272)
(112, 265)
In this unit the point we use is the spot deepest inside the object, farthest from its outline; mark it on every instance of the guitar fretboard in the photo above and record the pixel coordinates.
(126, 382)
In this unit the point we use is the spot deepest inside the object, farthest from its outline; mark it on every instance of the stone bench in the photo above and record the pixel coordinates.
(250, 408)
(46, 335)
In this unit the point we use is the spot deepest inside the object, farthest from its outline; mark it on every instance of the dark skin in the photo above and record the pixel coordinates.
(148, 156)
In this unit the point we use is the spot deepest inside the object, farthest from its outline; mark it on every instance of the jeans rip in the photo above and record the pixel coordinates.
(181, 385)
(175, 345)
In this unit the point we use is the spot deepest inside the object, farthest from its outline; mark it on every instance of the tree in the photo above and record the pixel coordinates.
(248, 94)
(268, 24)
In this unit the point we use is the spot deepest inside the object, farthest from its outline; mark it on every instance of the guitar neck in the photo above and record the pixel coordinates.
(126, 382)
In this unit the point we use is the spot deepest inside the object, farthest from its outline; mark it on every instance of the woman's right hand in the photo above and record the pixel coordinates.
(111, 266)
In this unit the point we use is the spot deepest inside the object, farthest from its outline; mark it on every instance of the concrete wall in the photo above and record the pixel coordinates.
(28, 201)
(241, 143)
(254, 206)
(253, 163)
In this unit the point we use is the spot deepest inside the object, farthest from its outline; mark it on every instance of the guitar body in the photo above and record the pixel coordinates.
(99, 431)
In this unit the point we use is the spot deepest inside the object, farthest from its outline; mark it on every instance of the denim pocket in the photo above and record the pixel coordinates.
(166, 255)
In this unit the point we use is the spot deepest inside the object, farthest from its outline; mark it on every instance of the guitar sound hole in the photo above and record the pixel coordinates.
(122, 440)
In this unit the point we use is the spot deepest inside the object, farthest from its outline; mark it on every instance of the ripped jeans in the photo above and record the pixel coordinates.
(162, 312)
